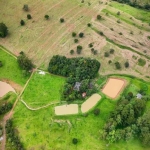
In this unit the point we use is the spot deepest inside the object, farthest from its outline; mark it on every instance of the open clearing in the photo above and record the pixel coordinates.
(43, 89)
(113, 87)
(90, 103)
(66, 109)
(5, 88)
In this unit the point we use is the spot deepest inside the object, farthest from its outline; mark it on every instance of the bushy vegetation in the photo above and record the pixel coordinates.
(141, 62)
(24, 62)
(80, 68)
(3, 30)
(127, 121)
(137, 3)
(12, 136)
(29, 16)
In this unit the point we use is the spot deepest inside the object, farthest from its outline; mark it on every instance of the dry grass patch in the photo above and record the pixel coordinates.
(66, 109)
(90, 103)
(113, 87)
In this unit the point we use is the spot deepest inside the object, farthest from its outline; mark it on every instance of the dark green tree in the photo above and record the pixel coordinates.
(75, 141)
(29, 16)
(81, 34)
(46, 17)
(22, 22)
(62, 20)
(3, 30)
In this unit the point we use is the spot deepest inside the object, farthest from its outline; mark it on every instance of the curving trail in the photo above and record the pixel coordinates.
(38, 107)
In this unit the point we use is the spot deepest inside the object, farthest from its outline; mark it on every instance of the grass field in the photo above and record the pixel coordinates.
(43, 130)
(10, 69)
(136, 13)
(43, 89)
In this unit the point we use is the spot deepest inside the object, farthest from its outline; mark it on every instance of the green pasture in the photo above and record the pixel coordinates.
(43, 89)
(139, 14)
(10, 69)
(43, 130)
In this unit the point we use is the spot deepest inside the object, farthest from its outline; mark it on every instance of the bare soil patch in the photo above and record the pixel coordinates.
(90, 103)
(66, 109)
(5, 88)
(113, 87)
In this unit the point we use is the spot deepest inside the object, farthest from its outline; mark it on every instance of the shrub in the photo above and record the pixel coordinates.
(3, 30)
(25, 7)
(62, 20)
(96, 111)
(73, 34)
(95, 52)
(46, 17)
(74, 141)
(99, 17)
(24, 62)
(91, 45)
(22, 23)
(76, 40)
(101, 33)
(118, 13)
(126, 64)
(111, 51)
(79, 49)
(71, 51)
(109, 62)
(92, 50)
(89, 25)
(29, 16)
(1, 64)
(106, 54)
(141, 62)
(111, 29)
(117, 64)
(120, 33)
(118, 21)
(81, 34)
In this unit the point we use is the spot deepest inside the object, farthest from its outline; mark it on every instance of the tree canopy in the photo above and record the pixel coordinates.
(3, 30)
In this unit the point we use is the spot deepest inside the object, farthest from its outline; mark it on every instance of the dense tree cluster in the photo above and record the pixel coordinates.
(127, 121)
(80, 68)
(12, 138)
(135, 3)
(3, 30)
(5, 108)
(24, 62)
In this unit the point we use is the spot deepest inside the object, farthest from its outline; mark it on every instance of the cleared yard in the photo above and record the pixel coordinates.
(5, 88)
(113, 87)
(90, 103)
(66, 109)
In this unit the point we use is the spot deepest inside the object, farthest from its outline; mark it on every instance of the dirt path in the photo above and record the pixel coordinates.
(9, 114)
(38, 107)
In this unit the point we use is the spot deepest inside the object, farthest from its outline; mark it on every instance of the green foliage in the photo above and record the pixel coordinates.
(74, 34)
(62, 20)
(71, 51)
(29, 16)
(76, 40)
(126, 64)
(75, 141)
(106, 54)
(96, 111)
(79, 49)
(24, 62)
(46, 17)
(1, 64)
(89, 25)
(81, 34)
(117, 64)
(25, 7)
(141, 62)
(90, 45)
(122, 123)
(111, 51)
(22, 22)
(82, 68)
(3, 30)
(12, 136)
(99, 17)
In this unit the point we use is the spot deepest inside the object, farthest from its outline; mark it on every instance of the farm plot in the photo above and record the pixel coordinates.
(90, 103)
(43, 90)
(41, 38)
(113, 87)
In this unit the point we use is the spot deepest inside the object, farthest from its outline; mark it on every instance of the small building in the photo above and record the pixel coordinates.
(139, 96)
(77, 86)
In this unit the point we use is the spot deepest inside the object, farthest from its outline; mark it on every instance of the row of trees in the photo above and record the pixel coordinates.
(127, 121)
(12, 137)
(136, 3)
(80, 68)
